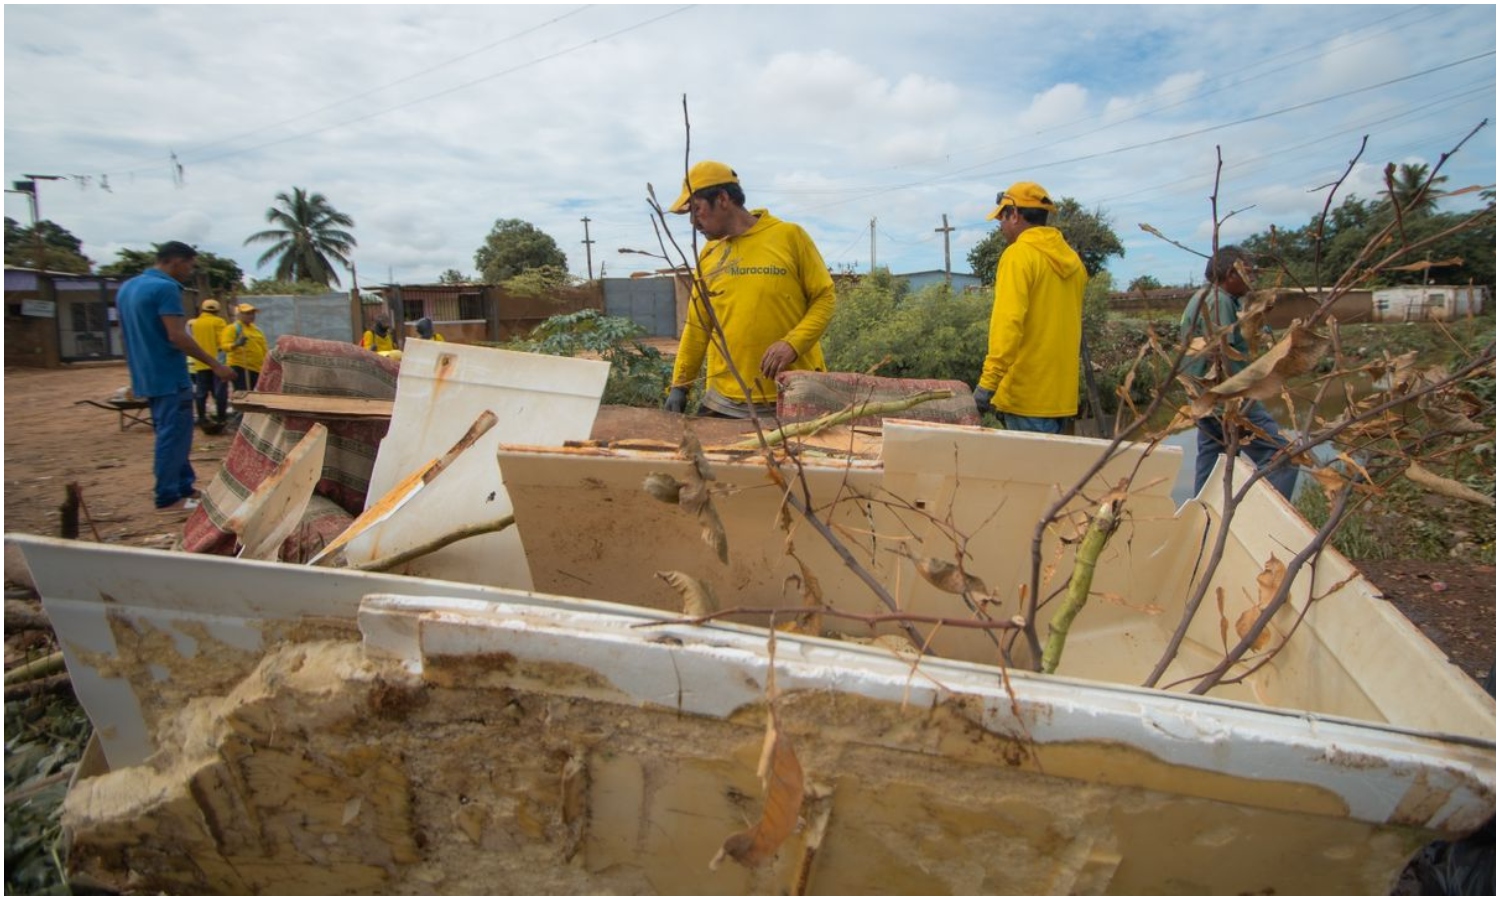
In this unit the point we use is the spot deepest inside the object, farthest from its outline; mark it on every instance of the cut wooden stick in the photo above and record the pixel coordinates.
(849, 413)
(407, 488)
(37, 668)
(386, 563)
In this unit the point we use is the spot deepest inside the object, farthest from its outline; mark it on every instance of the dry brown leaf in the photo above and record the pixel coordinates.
(1245, 622)
(1269, 580)
(1223, 619)
(1295, 354)
(1448, 420)
(663, 487)
(1447, 486)
(946, 576)
(698, 599)
(696, 498)
(781, 777)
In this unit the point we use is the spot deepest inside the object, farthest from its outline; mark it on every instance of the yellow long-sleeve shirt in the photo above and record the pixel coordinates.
(1036, 326)
(205, 330)
(769, 284)
(250, 355)
(376, 343)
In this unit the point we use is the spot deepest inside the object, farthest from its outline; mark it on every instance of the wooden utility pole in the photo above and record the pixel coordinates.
(872, 245)
(947, 259)
(588, 248)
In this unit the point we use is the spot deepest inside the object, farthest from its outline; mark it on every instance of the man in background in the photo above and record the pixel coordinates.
(425, 330)
(771, 292)
(1212, 329)
(206, 328)
(244, 348)
(1030, 376)
(157, 347)
(378, 338)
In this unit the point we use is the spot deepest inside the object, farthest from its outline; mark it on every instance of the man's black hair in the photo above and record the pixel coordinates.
(1033, 215)
(175, 250)
(735, 193)
(1223, 262)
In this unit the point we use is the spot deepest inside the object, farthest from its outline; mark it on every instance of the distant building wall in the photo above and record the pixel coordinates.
(962, 281)
(53, 318)
(1428, 303)
(649, 302)
(322, 316)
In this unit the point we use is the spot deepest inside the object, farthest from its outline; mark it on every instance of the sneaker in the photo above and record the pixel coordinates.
(186, 504)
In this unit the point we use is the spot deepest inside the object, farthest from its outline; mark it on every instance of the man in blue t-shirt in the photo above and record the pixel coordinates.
(157, 345)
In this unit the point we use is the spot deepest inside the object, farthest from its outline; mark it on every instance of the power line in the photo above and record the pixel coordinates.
(433, 96)
(390, 84)
(1158, 141)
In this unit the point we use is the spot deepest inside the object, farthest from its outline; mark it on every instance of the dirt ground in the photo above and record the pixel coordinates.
(52, 440)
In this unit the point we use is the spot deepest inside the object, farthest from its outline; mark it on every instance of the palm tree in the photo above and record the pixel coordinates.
(307, 239)
(1407, 188)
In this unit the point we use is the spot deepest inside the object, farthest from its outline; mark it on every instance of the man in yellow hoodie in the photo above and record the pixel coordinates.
(771, 292)
(1030, 376)
(205, 329)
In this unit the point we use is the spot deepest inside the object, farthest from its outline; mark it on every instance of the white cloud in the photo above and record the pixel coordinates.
(834, 115)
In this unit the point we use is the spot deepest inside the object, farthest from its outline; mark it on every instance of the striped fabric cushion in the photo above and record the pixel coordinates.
(300, 365)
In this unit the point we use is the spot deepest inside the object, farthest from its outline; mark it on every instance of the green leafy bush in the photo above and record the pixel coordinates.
(879, 325)
(638, 374)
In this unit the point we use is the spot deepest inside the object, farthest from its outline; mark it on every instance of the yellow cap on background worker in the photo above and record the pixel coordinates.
(1024, 194)
(209, 305)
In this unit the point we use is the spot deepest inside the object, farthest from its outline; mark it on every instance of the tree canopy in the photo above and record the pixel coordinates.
(217, 275)
(1088, 233)
(1311, 262)
(61, 251)
(220, 275)
(514, 246)
(308, 240)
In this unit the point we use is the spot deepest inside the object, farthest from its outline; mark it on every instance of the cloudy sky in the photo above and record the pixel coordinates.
(428, 123)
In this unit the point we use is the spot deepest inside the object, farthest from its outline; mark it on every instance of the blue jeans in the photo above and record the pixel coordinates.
(1260, 449)
(204, 384)
(1032, 423)
(173, 415)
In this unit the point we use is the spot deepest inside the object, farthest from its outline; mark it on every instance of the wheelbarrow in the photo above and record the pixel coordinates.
(132, 410)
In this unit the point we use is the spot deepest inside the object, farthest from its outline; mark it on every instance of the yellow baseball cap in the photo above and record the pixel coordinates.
(705, 174)
(1025, 194)
(245, 307)
(209, 305)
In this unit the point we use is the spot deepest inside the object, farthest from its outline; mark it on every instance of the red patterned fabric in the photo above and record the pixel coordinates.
(807, 395)
(300, 365)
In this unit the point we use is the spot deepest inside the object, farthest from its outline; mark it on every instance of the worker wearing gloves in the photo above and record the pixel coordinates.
(244, 348)
(205, 329)
(1030, 376)
(771, 292)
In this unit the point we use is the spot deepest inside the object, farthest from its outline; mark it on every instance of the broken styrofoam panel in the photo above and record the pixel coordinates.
(579, 511)
(992, 487)
(1341, 657)
(686, 670)
(143, 631)
(328, 771)
(592, 530)
(442, 388)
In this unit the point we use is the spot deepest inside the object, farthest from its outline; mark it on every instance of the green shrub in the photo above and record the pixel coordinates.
(880, 327)
(638, 374)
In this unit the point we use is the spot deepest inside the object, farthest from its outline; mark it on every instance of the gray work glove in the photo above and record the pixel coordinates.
(676, 400)
(982, 400)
